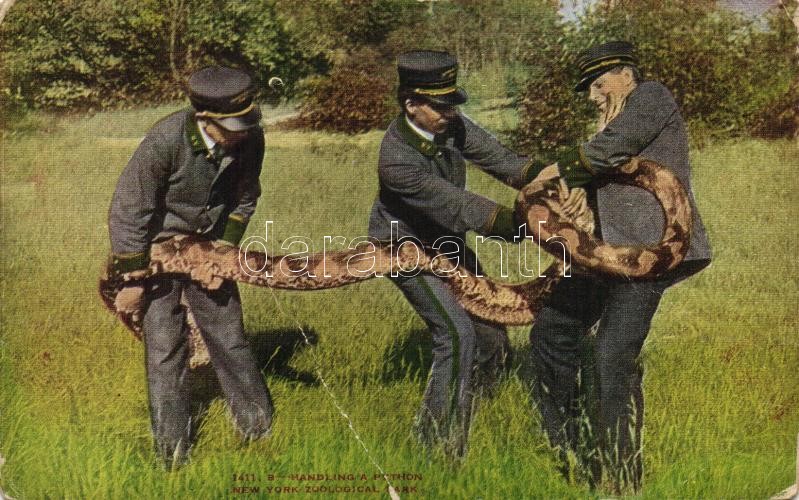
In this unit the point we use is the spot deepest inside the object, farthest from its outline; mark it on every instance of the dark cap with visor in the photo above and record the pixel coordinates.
(431, 75)
(599, 59)
(225, 96)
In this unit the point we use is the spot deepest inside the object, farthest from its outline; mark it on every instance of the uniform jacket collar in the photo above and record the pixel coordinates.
(419, 143)
(193, 133)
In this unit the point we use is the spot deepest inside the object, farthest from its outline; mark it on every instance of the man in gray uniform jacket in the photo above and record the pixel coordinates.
(422, 199)
(195, 172)
(637, 119)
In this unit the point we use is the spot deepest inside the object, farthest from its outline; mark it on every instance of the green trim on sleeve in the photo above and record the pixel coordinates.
(502, 223)
(234, 229)
(532, 169)
(575, 168)
(123, 263)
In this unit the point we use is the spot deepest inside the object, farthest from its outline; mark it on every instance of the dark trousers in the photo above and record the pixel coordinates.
(460, 344)
(218, 314)
(624, 311)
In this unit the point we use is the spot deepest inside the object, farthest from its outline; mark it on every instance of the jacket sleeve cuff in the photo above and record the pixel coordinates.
(502, 223)
(234, 229)
(531, 170)
(575, 168)
(128, 264)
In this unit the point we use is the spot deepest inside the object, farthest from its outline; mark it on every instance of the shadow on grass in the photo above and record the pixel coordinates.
(409, 357)
(272, 349)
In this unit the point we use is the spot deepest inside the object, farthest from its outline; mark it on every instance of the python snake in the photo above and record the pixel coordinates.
(540, 204)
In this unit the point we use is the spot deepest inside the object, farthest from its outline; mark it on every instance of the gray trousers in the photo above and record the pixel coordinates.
(218, 314)
(460, 344)
(624, 311)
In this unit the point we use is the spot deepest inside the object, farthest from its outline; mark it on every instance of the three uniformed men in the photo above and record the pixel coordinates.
(197, 172)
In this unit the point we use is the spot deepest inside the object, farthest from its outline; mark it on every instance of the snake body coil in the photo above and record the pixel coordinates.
(539, 203)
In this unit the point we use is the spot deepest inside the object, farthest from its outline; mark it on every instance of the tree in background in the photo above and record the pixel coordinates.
(65, 54)
(730, 74)
(481, 32)
(360, 40)
(354, 91)
(57, 54)
(722, 68)
(780, 117)
(249, 35)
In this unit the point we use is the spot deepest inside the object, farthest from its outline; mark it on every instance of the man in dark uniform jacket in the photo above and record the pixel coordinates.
(195, 172)
(423, 199)
(637, 119)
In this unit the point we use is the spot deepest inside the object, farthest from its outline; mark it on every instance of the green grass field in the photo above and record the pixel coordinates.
(721, 360)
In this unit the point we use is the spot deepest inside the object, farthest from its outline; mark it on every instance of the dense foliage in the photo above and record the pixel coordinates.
(722, 68)
(61, 54)
(57, 54)
(730, 74)
(361, 39)
(353, 98)
(355, 38)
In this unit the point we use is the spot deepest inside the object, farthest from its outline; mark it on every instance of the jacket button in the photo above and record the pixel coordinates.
(199, 231)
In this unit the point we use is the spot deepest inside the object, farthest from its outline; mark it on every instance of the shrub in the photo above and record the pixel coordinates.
(552, 116)
(356, 38)
(61, 54)
(721, 67)
(353, 98)
(331, 30)
(780, 118)
(247, 35)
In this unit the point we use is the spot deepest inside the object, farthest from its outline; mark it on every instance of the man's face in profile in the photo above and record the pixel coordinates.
(611, 85)
(433, 117)
(224, 137)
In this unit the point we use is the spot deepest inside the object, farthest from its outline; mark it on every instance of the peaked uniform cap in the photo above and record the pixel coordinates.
(432, 75)
(224, 95)
(595, 61)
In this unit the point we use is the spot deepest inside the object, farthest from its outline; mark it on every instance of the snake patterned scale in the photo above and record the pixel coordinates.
(539, 203)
